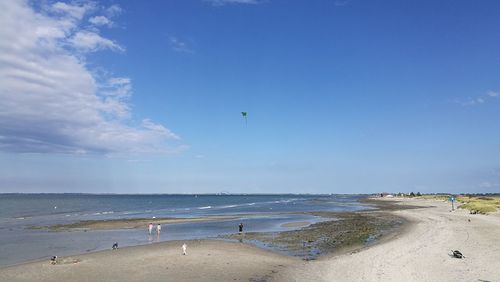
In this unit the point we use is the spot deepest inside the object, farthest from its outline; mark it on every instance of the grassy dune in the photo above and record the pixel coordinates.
(480, 204)
(442, 197)
(475, 204)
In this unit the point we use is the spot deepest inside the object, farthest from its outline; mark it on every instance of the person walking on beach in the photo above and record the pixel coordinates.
(158, 229)
(150, 228)
(184, 249)
(240, 227)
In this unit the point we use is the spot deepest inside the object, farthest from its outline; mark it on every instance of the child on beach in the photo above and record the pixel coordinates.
(150, 228)
(240, 227)
(158, 229)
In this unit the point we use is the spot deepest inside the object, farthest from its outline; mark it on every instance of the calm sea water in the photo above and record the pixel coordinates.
(18, 212)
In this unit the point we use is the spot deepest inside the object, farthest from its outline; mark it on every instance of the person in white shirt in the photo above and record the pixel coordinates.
(184, 249)
(158, 229)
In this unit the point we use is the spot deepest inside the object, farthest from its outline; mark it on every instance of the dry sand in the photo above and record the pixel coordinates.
(205, 261)
(421, 253)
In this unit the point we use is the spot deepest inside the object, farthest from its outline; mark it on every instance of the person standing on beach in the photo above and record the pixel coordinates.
(158, 229)
(150, 228)
(240, 227)
(184, 249)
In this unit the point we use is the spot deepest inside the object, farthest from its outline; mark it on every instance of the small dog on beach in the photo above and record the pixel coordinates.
(184, 249)
(53, 260)
(457, 254)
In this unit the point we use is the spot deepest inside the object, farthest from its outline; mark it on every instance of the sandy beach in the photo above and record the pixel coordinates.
(419, 253)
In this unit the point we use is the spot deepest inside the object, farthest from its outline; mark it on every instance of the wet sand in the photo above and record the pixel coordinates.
(133, 223)
(296, 224)
(344, 232)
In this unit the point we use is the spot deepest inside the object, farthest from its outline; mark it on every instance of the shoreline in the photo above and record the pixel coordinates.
(139, 223)
(418, 251)
(339, 233)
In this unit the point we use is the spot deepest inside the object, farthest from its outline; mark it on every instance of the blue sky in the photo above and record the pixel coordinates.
(342, 96)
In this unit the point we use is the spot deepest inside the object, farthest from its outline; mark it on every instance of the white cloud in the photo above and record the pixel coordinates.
(341, 2)
(491, 93)
(106, 19)
(120, 87)
(114, 10)
(225, 2)
(180, 46)
(488, 184)
(91, 41)
(51, 101)
(480, 100)
(75, 11)
(468, 102)
(100, 21)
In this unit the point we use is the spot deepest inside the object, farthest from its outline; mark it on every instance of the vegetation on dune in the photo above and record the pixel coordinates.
(442, 197)
(476, 204)
(473, 203)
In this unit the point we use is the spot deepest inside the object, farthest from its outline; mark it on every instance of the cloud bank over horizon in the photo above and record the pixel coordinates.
(52, 101)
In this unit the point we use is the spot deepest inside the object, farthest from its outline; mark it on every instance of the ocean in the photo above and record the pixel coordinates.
(19, 213)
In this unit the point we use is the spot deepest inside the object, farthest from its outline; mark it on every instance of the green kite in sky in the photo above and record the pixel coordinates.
(244, 114)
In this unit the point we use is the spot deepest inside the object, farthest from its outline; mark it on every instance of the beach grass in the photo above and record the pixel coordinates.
(474, 203)
(442, 197)
(479, 204)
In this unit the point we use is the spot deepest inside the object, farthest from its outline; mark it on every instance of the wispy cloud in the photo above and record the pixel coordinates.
(138, 161)
(180, 46)
(75, 11)
(488, 184)
(492, 94)
(229, 2)
(114, 10)
(487, 97)
(52, 102)
(341, 2)
(101, 21)
(107, 16)
(90, 41)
